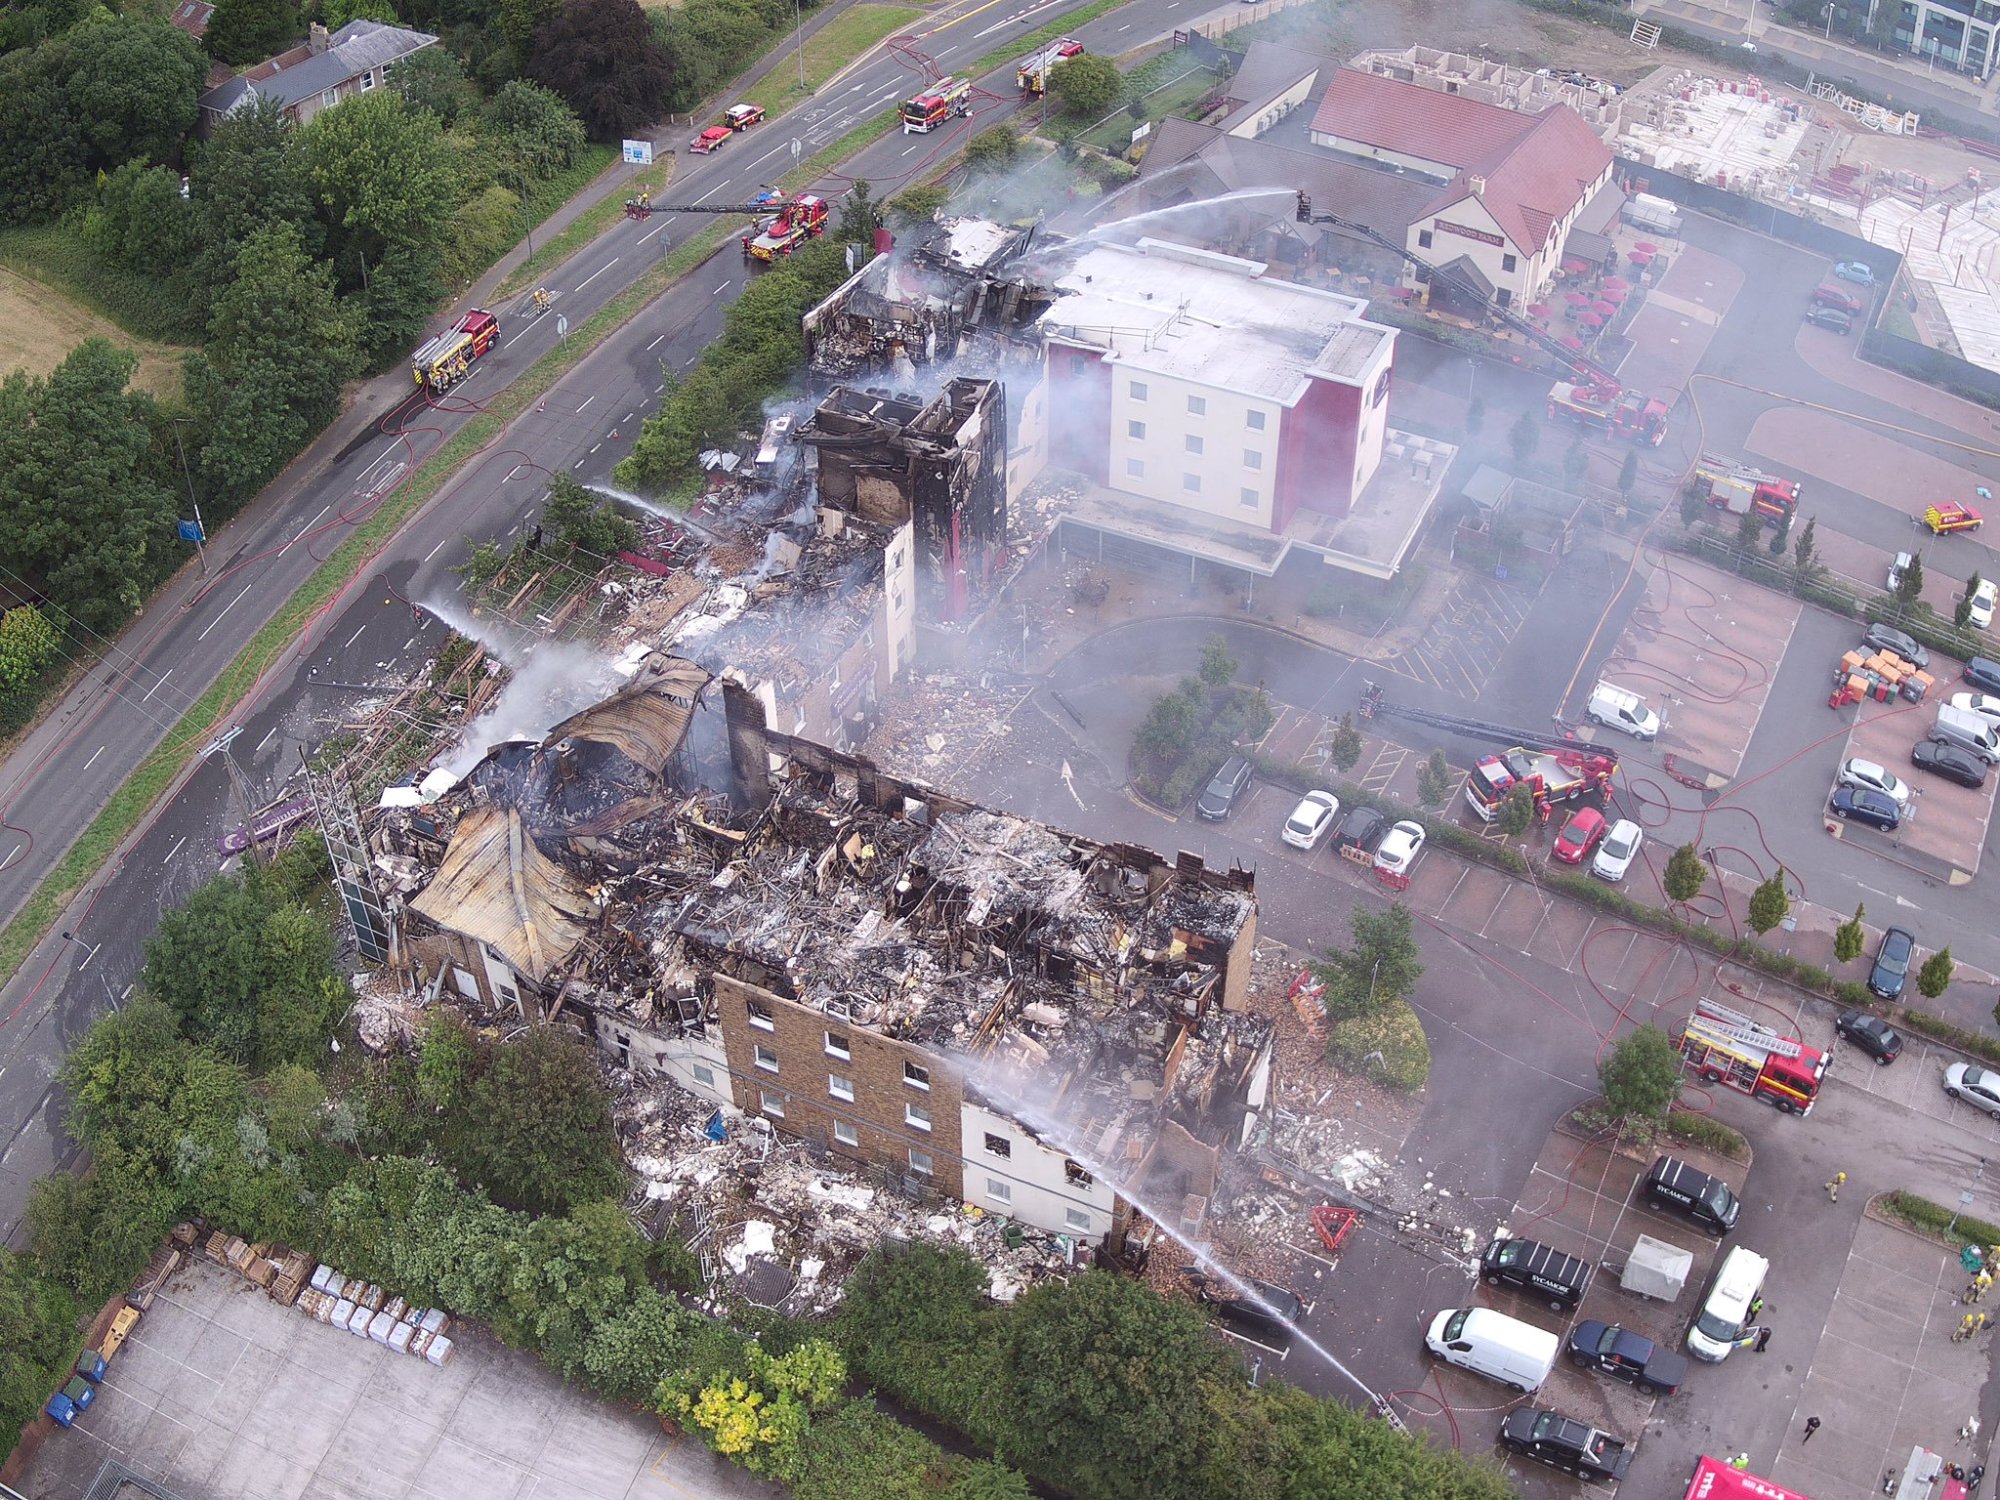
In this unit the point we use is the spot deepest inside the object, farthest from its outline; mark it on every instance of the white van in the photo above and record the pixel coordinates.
(1726, 1315)
(1968, 731)
(1490, 1343)
(1619, 708)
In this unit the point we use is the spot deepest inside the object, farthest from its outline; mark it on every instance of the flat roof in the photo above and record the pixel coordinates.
(1211, 318)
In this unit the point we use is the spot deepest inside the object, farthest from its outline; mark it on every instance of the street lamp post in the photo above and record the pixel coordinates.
(799, 41)
(201, 539)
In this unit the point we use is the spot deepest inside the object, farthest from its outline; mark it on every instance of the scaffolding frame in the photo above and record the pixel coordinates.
(353, 870)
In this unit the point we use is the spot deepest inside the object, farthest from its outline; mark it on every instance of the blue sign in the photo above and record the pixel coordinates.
(189, 531)
(639, 153)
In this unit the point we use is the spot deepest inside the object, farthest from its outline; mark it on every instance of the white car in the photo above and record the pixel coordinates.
(1400, 847)
(1979, 1087)
(1983, 599)
(1311, 820)
(1620, 847)
(1871, 777)
(1984, 704)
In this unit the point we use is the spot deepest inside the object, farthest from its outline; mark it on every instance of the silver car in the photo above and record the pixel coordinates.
(1620, 847)
(1872, 777)
(1979, 1087)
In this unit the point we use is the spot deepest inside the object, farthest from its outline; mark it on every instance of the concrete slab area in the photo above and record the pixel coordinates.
(1703, 646)
(221, 1394)
(1947, 823)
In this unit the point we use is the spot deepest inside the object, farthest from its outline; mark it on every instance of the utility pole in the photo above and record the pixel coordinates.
(799, 41)
(200, 530)
(239, 784)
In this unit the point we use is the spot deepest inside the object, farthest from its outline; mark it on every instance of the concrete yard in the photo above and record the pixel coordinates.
(220, 1392)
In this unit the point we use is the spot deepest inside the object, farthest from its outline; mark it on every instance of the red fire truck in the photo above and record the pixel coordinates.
(1725, 1046)
(799, 221)
(1739, 489)
(443, 361)
(1551, 775)
(1608, 407)
(936, 104)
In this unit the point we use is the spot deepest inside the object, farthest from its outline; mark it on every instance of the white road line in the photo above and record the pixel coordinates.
(175, 850)
(595, 274)
(653, 231)
(304, 529)
(786, 147)
(219, 619)
(93, 759)
(435, 550)
(514, 528)
(1126, 27)
(723, 288)
(512, 474)
(577, 465)
(913, 146)
(170, 671)
(267, 738)
(656, 338)
(586, 401)
(595, 446)
(660, 387)
(353, 638)
(626, 418)
(708, 195)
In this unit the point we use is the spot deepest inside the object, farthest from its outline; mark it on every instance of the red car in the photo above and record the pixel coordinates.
(1579, 836)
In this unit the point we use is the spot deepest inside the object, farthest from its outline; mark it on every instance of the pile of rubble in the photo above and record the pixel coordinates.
(941, 722)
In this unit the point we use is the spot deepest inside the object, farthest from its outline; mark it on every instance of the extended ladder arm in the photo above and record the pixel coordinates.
(1373, 706)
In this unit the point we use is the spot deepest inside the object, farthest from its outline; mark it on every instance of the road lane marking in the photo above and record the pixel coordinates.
(653, 231)
(436, 550)
(267, 738)
(656, 338)
(595, 274)
(723, 288)
(595, 446)
(353, 638)
(586, 401)
(170, 671)
(304, 529)
(93, 759)
(175, 850)
(218, 619)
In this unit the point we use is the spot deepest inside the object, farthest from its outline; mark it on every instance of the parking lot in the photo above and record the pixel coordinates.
(1944, 830)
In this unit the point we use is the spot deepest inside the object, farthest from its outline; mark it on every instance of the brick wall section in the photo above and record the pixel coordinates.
(875, 1066)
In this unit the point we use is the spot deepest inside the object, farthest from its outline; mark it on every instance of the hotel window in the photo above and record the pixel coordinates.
(1247, 498)
(846, 1134)
(995, 1188)
(999, 1145)
(1507, 262)
(836, 1046)
(772, 1105)
(1076, 1218)
(1078, 1174)
(704, 1074)
(916, 1116)
(760, 1015)
(1254, 420)
(1192, 443)
(1191, 483)
(917, 1077)
(920, 1162)
(766, 1058)
(1135, 468)
(1504, 296)
(1197, 406)
(1137, 390)
(1135, 429)
(1423, 239)
(840, 1088)
(1381, 391)
(1252, 459)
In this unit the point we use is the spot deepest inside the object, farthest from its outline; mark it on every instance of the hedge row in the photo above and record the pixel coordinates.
(1921, 1213)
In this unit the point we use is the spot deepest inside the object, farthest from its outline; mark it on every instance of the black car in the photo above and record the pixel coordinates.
(1565, 1443)
(1680, 1187)
(1223, 788)
(1892, 963)
(1948, 761)
(1882, 637)
(1627, 1356)
(1871, 1034)
(1830, 317)
(1556, 1278)
(1876, 809)
(1359, 833)
(1983, 674)
(1268, 1317)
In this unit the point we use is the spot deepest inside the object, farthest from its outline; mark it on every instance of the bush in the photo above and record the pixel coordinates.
(1931, 1218)
(1388, 1043)
(1935, 1027)
(1707, 1132)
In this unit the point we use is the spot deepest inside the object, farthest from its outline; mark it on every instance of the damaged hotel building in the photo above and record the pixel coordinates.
(951, 999)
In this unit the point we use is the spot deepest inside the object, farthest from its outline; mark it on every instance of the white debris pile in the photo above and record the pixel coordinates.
(385, 1014)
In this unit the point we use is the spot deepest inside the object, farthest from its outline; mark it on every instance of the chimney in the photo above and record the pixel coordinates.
(316, 39)
(1478, 186)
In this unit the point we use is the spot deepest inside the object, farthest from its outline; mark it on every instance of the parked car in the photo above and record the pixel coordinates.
(1871, 777)
(1892, 963)
(1270, 1316)
(1983, 598)
(1876, 809)
(1830, 317)
(1359, 832)
(1948, 761)
(1218, 798)
(1619, 849)
(1675, 1186)
(1828, 295)
(1979, 1087)
(1400, 848)
(1897, 569)
(1579, 835)
(1548, 1274)
(1627, 1356)
(1565, 1443)
(1871, 1034)
(1858, 272)
(1983, 673)
(1986, 705)
(1882, 637)
(1311, 820)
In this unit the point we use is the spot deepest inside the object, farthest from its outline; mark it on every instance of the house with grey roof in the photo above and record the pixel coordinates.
(319, 74)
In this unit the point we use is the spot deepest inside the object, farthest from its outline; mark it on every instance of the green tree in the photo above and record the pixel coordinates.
(1780, 535)
(1475, 415)
(280, 348)
(1524, 437)
(1434, 780)
(586, 521)
(1380, 965)
(860, 214)
(1909, 589)
(133, 86)
(1344, 749)
(1628, 473)
(536, 1132)
(29, 646)
(857, 1450)
(207, 962)
(1517, 813)
(1805, 552)
(919, 204)
(140, 221)
(1848, 938)
(1685, 876)
(629, 1352)
(1576, 463)
(1962, 615)
(248, 31)
(1770, 903)
(1218, 667)
(38, 1339)
(922, 1308)
(433, 79)
(1749, 530)
(1087, 86)
(991, 150)
(383, 179)
(530, 133)
(446, 1059)
(1095, 1379)
(1934, 978)
(601, 57)
(572, 1274)
(335, 14)
(302, 996)
(79, 506)
(519, 20)
(1694, 503)
(1641, 1075)
(43, 165)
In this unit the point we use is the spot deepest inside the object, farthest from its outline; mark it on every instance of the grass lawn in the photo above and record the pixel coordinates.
(845, 39)
(39, 325)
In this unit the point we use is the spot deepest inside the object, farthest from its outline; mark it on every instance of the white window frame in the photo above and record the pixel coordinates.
(760, 1015)
(1248, 498)
(845, 1133)
(922, 1080)
(999, 1145)
(1192, 442)
(368, 80)
(840, 1046)
(1136, 389)
(1254, 420)
(1135, 468)
(1253, 459)
(1197, 406)
(765, 1057)
(995, 1188)
(916, 1116)
(1077, 1219)
(922, 1162)
(1191, 483)
(840, 1087)
(704, 1074)
(1135, 430)
(771, 1104)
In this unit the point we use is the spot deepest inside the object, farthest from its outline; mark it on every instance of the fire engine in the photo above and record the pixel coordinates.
(1554, 768)
(1603, 405)
(936, 104)
(743, 116)
(791, 227)
(1726, 1046)
(1739, 489)
(443, 361)
(1032, 73)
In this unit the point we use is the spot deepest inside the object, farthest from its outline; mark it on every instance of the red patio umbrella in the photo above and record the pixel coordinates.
(1591, 320)
(1641, 257)
(1612, 294)
(1615, 283)
(1538, 310)
(1576, 299)
(1570, 341)
(1647, 247)
(1603, 308)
